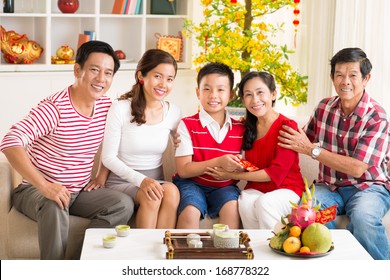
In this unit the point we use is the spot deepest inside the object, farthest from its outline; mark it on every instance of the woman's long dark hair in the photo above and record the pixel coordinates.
(250, 133)
(150, 60)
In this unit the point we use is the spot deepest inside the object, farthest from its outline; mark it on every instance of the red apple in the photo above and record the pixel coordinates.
(120, 54)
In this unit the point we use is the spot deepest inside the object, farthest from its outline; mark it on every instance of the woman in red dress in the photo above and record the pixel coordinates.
(267, 195)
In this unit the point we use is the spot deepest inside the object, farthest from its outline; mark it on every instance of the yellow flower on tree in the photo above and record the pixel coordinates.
(236, 35)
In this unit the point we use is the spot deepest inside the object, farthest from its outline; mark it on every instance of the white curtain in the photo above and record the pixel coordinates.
(313, 50)
(327, 27)
(366, 24)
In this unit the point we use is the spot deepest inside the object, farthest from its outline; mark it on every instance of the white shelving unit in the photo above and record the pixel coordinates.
(134, 34)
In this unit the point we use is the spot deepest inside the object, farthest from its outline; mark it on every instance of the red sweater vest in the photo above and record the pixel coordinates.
(205, 147)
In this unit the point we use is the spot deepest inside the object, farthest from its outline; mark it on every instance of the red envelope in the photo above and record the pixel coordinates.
(326, 215)
(248, 165)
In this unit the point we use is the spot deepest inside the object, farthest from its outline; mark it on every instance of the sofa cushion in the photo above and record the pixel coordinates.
(23, 232)
(22, 236)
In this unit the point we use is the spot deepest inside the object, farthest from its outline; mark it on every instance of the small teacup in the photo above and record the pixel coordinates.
(109, 241)
(195, 244)
(192, 237)
(219, 228)
(122, 230)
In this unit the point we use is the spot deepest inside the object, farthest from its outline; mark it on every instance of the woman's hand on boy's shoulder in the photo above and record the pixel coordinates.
(176, 140)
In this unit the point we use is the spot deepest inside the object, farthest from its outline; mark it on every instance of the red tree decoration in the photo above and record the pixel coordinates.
(296, 20)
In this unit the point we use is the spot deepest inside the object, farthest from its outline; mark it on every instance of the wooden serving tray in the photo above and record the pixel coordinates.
(178, 249)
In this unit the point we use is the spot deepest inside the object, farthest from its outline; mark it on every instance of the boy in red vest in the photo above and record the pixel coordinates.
(210, 138)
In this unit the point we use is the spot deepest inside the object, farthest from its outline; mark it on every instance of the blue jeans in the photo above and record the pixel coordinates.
(207, 200)
(365, 210)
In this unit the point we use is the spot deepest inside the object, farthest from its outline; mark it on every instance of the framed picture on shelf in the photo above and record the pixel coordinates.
(171, 44)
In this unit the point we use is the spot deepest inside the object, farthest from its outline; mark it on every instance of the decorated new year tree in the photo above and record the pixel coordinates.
(236, 33)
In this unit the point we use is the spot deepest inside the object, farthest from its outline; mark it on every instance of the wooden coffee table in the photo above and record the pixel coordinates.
(147, 244)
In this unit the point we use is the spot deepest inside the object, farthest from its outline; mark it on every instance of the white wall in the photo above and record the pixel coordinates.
(21, 91)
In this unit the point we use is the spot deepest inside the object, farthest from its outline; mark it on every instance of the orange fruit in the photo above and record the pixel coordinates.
(292, 245)
(295, 231)
(304, 249)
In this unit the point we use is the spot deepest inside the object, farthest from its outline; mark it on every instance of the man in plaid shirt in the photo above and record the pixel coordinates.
(349, 135)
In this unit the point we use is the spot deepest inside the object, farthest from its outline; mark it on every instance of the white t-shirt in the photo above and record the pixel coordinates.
(128, 146)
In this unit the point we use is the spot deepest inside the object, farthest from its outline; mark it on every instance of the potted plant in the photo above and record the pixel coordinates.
(235, 33)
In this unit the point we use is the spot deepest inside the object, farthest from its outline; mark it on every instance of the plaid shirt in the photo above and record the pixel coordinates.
(363, 135)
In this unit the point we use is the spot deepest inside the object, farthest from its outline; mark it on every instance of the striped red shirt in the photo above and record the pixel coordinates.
(60, 142)
(205, 147)
(363, 135)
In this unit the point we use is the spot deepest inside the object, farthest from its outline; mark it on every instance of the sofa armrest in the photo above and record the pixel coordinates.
(6, 186)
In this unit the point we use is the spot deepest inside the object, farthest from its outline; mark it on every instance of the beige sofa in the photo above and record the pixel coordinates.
(19, 236)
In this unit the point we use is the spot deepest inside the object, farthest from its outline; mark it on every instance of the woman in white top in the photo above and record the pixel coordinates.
(137, 132)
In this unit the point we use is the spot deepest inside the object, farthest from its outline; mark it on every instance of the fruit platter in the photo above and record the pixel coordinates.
(302, 233)
(303, 254)
(178, 247)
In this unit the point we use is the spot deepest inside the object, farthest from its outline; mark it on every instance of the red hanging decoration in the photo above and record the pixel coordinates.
(233, 1)
(296, 20)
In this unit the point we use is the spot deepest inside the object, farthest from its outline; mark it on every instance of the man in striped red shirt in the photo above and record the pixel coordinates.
(348, 135)
(53, 148)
